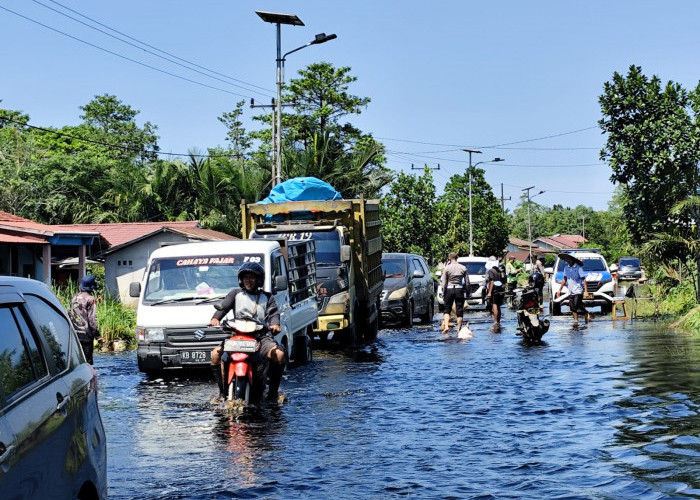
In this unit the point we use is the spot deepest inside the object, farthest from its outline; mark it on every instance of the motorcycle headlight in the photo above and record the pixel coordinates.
(339, 298)
(398, 294)
(150, 334)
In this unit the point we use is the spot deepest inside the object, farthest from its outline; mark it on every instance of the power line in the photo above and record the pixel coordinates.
(267, 94)
(461, 146)
(122, 56)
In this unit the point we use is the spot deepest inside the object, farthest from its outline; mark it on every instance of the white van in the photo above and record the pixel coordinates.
(183, 282)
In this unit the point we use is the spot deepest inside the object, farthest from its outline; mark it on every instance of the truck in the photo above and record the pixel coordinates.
(347, 234)
(182, 284)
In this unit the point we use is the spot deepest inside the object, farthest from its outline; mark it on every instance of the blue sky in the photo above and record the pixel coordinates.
(517, 80)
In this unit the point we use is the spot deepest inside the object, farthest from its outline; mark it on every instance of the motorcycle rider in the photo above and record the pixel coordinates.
(250, 301)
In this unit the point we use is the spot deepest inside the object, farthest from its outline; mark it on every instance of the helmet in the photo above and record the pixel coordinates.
(502, 268)
(88, 283)
(252, 268)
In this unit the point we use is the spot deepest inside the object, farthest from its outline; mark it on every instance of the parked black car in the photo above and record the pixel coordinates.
(52, 441)
(409, 289)
(629, 268)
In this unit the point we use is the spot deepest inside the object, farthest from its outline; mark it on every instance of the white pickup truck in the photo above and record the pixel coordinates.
(182, 283)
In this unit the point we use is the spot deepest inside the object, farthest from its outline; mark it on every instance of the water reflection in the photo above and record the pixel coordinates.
(607, 411)
(658, 436)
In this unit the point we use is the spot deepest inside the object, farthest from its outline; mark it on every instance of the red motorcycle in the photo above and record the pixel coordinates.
(244, 368)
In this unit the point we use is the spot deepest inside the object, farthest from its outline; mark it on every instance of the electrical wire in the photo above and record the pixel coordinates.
(268, 93)
(122, 56)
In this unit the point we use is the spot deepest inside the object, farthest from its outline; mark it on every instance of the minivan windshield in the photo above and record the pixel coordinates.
(394, 268)
(475, 267)
(201, 277)
(629, 261)
(589, 264)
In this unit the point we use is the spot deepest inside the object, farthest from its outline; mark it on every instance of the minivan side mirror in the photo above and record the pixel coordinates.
(418, 274)
(279, 284)
(134, 289)
(345, 253)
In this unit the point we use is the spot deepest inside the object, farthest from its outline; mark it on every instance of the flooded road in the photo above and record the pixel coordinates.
(611, 410)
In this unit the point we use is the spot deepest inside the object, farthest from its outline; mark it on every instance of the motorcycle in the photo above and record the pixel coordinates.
(244, 368)
(531, 327)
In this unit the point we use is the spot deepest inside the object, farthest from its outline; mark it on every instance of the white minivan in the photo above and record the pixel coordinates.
(476, 268)
(599, 281)
(183, 282)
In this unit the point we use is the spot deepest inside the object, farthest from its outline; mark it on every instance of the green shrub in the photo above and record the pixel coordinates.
(115, 321)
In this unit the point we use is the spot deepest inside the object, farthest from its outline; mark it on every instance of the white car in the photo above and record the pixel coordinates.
(599, 281)
(476, 268)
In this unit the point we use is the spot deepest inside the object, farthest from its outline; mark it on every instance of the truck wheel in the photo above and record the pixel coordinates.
(347, 336)
(372, 329)
(302, 350)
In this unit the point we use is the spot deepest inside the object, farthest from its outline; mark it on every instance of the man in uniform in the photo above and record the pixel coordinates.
(455, 281)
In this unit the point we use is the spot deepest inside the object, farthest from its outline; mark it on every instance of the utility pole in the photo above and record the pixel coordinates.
(583, 229)
(503, 205)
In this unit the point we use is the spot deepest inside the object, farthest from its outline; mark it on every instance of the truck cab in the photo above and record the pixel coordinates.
(182, 283)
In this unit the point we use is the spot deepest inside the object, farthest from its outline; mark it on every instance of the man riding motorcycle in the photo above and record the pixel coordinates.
(250, 301)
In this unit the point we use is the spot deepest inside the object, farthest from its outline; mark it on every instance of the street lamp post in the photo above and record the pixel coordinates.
(471, 231)
(529, 228)
(279, 19)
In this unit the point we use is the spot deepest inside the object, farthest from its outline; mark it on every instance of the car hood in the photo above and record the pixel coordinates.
(589, 275)
(392, 284)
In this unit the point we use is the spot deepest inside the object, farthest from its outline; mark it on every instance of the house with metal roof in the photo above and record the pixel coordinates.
(44, 252)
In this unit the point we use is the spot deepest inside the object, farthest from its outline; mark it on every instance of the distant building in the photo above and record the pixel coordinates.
(56, 253)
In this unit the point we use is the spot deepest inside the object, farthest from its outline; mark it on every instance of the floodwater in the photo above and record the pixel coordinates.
(611, 410)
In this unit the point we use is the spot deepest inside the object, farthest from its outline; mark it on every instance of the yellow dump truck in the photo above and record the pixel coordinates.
(348, 257)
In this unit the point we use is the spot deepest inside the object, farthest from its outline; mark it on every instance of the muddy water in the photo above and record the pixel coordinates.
(604, 411)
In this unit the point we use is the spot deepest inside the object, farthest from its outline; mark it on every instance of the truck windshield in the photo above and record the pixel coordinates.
(590, 264)
(327, 243)
(194, 277)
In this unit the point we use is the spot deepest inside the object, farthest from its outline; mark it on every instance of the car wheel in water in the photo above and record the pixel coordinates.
(408, 319)
(430, 311)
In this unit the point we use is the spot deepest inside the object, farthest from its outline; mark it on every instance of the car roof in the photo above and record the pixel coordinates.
(398, 255)
(587, 255)
(472, 259)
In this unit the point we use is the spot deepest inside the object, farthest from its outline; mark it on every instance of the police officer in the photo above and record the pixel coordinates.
(455, 281)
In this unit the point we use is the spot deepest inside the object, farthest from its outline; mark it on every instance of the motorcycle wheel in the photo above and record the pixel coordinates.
(240, 389)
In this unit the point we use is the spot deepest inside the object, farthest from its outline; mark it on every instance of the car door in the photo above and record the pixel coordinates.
(46, 415)
(31, 410)
(419, 289)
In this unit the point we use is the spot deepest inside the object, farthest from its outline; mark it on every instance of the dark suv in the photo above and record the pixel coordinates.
(408, 289)
(629, 268)
(52, 441)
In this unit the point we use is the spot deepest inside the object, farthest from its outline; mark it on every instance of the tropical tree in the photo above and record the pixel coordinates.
(489, 223)
(652, 147)
(408, 222)
(318, 143)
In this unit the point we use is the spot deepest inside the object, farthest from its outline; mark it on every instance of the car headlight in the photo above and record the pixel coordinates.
(398, 294)
(150, 334)
(338, 303)
(605, 280)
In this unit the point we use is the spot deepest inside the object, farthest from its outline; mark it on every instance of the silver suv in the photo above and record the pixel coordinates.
(52, 441)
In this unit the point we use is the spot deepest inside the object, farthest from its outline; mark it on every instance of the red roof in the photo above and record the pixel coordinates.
(14, 229)
(118, 233)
